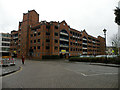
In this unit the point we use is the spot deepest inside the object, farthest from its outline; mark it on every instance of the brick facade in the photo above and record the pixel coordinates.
(52, 38)
(14, 43)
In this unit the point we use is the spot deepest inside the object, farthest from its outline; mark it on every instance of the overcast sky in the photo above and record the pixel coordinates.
(91, 15)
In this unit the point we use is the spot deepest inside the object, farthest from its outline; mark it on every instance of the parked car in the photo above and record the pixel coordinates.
(5, 62)
(86, 56)
(101, 56)
(111, 56)
(12, 61)
(108, 56)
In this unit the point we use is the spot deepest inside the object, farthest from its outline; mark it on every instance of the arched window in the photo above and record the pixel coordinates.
(64, 31)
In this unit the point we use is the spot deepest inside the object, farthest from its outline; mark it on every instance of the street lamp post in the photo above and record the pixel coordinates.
(105, 43)
(112, 48)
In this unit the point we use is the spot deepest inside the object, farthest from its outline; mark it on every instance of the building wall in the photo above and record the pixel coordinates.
(51, 38)
(1, 43)
(14, 43)
(5, 44)
(102, 45)
(29, 19)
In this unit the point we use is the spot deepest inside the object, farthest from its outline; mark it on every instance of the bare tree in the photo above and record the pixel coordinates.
(115, 39)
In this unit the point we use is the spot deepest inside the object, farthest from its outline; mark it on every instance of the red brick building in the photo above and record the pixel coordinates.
(14, 43)
(38, 39)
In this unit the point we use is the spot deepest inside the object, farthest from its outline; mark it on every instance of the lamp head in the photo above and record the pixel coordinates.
(104, 30)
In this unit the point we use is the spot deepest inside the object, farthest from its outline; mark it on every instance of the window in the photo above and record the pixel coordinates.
(73, 43)
(31, 41)
(76, 39)
(39, 33)
(80, 35)
(89, 38)
(93, 39)
(56, 41)
(47, 33)
(4, 39)
(56, 34)
(38, 47)
(76, 49)
(47, 47)
(73, 33)
(56, 27)
(76, 44)
(35, 47)
(33, 29)
(47, 26)
(47, 40)
(70, 43)
(38, 54)
(34, 34)
(34, 41)
(38, 40)
(5, 44)
(56, 48)
(79, 39)
(71, 49)
(70, 32)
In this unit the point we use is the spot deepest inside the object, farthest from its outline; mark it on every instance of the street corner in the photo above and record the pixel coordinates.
(9, 70)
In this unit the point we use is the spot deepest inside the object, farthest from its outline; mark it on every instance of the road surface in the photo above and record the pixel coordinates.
(61, 74)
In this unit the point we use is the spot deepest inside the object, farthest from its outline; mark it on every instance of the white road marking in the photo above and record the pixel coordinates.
(86, 75)
(83, 74)
(101, 74)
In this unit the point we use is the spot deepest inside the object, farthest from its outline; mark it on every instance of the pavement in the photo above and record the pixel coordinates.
(104, 64)
(61, 74)
(10, 69)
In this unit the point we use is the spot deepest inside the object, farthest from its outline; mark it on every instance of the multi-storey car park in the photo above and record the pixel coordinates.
(14, 43)
(39, 39)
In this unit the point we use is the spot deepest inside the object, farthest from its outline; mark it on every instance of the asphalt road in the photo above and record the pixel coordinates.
(61, 74)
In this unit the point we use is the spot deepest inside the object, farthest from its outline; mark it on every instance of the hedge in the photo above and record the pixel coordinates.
(96, 59)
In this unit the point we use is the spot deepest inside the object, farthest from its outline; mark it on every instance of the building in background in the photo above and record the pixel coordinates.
(40, 39)
(14, 43)
(111, 50)
(5, 39)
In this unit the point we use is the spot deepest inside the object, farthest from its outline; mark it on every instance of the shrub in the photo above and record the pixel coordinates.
(96, 59)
